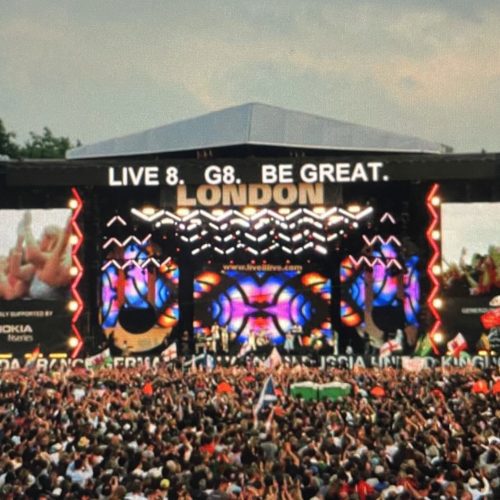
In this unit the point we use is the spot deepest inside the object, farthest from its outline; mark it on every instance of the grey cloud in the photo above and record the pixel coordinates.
(97, 69)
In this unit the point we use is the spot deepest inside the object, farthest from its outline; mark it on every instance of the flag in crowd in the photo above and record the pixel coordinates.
(99, 360)
(456, 345)
(35, 354)
(274, 359)
(390, 347)
(204, 359)
(209, 362)
(244, 350)
(424, 346)
(312, 391)
(170, 353)
(267, 395)
(413, 364)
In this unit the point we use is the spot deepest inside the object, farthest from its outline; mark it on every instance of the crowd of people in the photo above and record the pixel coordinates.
(179, 433)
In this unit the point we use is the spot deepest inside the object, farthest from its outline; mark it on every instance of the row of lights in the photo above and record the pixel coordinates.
(249, 211)
(284, 218)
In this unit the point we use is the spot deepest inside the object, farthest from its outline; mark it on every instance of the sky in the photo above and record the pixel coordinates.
(98, 69)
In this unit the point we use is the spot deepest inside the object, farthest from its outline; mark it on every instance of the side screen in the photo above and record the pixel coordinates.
(470, 281)
(35, 279)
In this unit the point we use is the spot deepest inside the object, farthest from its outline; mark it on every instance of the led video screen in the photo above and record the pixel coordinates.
(260, 305)
(470, 278)
(384, 298)
(470, 248)
(35, 279)
(139, 297)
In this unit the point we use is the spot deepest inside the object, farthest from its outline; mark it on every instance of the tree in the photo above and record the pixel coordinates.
(7, 146)
(46, 145)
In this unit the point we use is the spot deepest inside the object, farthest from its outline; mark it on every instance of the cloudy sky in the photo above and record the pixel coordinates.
(96, 69)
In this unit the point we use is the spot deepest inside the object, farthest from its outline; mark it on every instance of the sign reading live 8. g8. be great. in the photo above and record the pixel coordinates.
(267, 173)
(281, 184)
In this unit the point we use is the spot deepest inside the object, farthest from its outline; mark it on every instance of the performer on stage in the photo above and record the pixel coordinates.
(252, 340)
(297, 332)
(262, 338)
(224, 337)
(289, 341)
(215, 336)
(316, 342)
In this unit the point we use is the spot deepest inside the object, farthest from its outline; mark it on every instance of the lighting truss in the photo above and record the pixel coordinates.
(76, 280)
(301, 229)
(433, 226)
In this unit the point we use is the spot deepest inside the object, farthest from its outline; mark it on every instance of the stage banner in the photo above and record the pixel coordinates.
(35, 279)
(335, 170)
(320, 362)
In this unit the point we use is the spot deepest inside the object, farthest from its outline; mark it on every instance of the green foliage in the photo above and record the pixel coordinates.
(7, 145)
(45, 145)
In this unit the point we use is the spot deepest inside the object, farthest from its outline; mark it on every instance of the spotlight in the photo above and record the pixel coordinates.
(72, 305)
(73, 342)
(72, 203)
(435, 201)
(435, 234)
(354, 209)
(249, 210)
(73, 239)
(148, 210)
(319, 210)
(73, 271)
(182, 211)
(437, 303)
(436, 270)
(438, 338)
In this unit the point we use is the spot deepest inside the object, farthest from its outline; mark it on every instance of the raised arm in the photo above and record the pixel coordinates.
(34, 254)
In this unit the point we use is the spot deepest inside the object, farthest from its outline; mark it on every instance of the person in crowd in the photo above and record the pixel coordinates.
(430, 435)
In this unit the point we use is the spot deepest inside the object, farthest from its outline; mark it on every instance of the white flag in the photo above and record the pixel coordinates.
(457, 344)
(170, 353)
(274, 359)
(389, 348)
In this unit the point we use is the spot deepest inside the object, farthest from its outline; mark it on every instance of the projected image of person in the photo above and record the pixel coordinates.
(14, 283)
(47, 262)
(470, 249)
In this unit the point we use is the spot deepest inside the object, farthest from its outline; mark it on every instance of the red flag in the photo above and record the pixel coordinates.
(457, 345)
(224, 387)
(390, 347)
(491, 319)
(496, 387)
(35, 354)
(378, 392)
(147, 389)
(480, 387)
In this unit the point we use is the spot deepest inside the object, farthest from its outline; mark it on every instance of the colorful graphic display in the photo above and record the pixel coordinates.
(35, 279)
(380, 299)
(262, 304)
(139, 305)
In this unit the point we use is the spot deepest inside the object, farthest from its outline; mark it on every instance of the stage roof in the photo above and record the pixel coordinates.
(259, 125)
